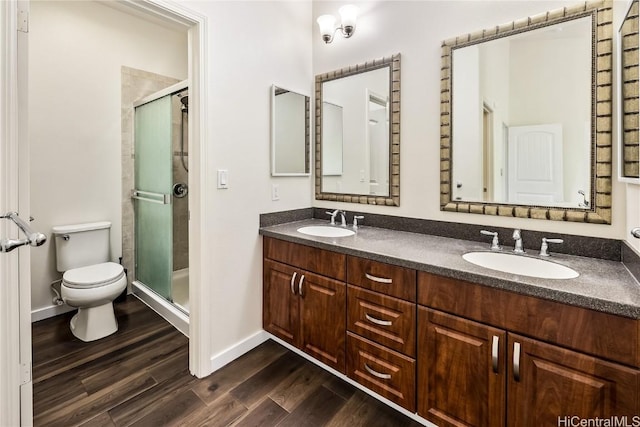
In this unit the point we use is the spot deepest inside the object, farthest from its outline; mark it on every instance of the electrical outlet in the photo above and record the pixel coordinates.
(275, 192)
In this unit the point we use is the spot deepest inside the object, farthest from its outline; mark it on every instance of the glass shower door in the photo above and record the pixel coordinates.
(152, 195)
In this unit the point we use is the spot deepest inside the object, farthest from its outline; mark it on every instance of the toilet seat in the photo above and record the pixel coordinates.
(93, 276)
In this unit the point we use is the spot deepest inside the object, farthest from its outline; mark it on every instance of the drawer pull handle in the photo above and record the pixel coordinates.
(378, 279)
(378, 321)
(293, 279)
(516, 361)
(377, 374)
(494, 353)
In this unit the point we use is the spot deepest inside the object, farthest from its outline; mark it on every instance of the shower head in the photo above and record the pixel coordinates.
(185, 103)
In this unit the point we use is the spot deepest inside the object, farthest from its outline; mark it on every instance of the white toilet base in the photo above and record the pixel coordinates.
(93, 323)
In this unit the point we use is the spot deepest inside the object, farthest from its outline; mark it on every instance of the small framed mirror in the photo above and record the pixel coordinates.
(358, 133)
(629, 43)
(290, 133)
(526, 125)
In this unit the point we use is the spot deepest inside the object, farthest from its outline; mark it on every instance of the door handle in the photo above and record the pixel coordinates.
(293, 279)
(300, 285)
(494, 353)
(516, 361)
(33, 238)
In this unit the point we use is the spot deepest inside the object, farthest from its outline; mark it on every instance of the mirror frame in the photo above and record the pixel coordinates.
(601, 14)
(307, 132)
(393, 62)
(628, 105)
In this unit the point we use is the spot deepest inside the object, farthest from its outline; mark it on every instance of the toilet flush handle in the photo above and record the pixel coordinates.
(65, 237)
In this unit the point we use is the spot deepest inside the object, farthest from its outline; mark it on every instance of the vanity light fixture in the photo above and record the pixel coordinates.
(348, 14)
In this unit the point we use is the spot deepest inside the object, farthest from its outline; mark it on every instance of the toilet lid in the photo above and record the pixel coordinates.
(93, 275)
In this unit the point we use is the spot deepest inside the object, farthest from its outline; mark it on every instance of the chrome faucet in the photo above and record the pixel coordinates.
(518, 245)
(334, 214)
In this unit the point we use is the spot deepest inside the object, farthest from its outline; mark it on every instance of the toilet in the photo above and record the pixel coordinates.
(89, 281)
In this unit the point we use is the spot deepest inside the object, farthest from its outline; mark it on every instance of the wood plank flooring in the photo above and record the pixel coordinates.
(140, 377)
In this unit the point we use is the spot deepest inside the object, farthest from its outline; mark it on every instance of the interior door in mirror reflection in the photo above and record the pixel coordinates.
(535, 165)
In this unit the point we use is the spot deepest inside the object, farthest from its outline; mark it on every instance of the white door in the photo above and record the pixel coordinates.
(535, 164)
(15, 293)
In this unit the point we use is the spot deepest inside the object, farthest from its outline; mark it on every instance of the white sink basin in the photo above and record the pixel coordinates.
(519, 264)
(326, 231)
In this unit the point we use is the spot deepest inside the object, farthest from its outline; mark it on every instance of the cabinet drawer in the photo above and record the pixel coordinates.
(601, 334)
(326, 263)
(399, 282)
(386, 320)
(388, 373)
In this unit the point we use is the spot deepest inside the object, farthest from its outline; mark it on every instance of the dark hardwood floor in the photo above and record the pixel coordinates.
(140, 377)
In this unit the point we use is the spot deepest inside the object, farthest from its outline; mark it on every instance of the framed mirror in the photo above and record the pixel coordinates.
(358, 133)
(629, 42)
(526, 117)
(290, 133)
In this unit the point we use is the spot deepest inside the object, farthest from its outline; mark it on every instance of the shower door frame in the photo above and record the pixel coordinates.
(199, 315)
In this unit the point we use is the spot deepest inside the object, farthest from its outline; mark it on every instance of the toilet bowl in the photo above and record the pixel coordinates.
(89, 281)
(92, 290)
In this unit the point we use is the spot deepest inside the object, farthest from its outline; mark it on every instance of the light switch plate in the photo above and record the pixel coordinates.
(223, 178)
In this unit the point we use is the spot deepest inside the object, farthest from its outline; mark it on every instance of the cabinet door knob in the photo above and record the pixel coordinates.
(494, 353)
(300, 285)
(293, 279)
(378, 279)
(516, 361)
(378, 321)
(376, 373)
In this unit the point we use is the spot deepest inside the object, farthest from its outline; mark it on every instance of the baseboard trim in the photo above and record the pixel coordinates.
(52, 311)
(232, 353)
(345, 378)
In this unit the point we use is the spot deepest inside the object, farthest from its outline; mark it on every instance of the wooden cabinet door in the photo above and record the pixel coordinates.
(323, 305)
(552, 383)
(460, 382)
(281, 315)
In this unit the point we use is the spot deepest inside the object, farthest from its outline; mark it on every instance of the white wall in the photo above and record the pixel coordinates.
(76, 50)
(416, 30)
(251, 45)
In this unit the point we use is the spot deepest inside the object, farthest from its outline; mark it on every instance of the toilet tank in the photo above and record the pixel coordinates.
(80, 245)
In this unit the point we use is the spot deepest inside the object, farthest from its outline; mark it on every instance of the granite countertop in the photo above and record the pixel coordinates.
(602, 285)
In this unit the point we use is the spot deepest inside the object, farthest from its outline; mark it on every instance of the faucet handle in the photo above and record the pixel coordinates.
(333, 216)
(495, 243)
(355, 221)
(544, 248)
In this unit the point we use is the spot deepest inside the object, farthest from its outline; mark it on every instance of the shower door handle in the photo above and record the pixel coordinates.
(148, 196)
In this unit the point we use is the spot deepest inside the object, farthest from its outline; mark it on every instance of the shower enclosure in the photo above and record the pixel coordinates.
(161, 201)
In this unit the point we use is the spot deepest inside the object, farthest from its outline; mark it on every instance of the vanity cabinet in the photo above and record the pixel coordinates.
(381, 323)
(476, 368)
(302, 307)
(455, 352)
